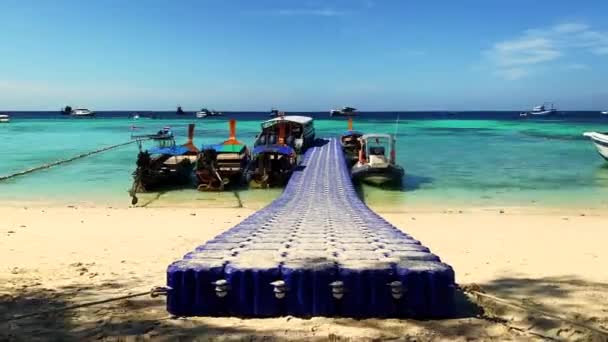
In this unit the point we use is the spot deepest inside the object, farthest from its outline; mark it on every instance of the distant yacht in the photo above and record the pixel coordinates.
(179, 111)
(541, 110)
(345, 111)
(605, 112)
(203, 113)
(4, 118)
(82, 112)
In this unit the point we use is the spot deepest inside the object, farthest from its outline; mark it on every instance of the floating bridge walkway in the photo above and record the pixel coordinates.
(317, 250)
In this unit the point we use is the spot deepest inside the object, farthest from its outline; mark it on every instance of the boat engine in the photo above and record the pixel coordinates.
(206, 172)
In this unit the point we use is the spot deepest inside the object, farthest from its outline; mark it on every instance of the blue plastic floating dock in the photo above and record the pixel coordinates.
(315, 251)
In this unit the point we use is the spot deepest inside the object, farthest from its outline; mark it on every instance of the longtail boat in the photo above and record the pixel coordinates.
(275, 152)
(164, 166)
(351, 143)
(222, 164)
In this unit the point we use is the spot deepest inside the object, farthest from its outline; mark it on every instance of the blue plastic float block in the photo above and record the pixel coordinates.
(192, 292)
(308, 290)
(251, 293)
(367, 291)
(429, 289)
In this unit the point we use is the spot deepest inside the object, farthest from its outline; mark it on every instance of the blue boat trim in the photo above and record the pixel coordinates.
(280, 149)
(350, 133)
(317, 250)
(172, 151)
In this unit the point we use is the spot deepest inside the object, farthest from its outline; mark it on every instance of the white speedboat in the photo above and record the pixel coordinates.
(541, 110)
(203, 113)
(345, 111)
(600, 140)
(82, 112)
(605, 112)
(377, 164)
(4, 118)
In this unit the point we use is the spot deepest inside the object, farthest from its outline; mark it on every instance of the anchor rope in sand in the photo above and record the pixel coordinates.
(154, 292)
(533, 309)
(64, 161)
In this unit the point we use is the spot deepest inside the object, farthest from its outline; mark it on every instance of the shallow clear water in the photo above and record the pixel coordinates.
(450, 159)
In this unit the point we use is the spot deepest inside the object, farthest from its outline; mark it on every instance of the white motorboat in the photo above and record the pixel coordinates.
(203, 113)
(377, 164)
(605, 112)
(600, 140)
(541, 110)
(82, 112)
(4, 118)
(345, 111)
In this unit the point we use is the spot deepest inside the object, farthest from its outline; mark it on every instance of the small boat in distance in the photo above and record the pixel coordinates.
(345, 111)
(605, 112)
(82, 112)
(377, 164)
(67, 110)
(180, 111)
(600, 140)
(541, 110)
(274, 113)
(4, 118)
(203, 113)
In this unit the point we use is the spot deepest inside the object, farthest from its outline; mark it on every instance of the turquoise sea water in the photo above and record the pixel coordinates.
(474, 159)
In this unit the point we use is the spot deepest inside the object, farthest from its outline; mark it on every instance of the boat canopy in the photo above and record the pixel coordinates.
(302, 120)
(374, 136)
(280, 149)
(351, 133)
(225, 148)
(172, 150)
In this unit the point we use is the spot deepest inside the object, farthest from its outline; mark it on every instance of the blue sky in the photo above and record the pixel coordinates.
(303, 54)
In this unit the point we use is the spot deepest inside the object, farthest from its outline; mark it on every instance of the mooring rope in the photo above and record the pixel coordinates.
(539, 311)
(63, 161)
(154, 292)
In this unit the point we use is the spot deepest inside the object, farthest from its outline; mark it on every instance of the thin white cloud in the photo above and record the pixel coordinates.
(576, 66)
(516, 58)
(316, 12)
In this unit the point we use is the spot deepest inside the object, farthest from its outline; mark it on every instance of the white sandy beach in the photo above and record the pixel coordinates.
(51, 257)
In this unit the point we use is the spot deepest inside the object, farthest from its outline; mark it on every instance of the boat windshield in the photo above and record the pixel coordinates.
(378, 146)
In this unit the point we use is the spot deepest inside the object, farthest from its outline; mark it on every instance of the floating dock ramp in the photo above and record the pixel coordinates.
(317, 250)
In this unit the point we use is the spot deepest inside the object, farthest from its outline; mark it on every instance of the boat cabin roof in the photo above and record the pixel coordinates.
(373, 136)
(352, 133)
(3, 116)
(302, 120)
(225, 148)
(280, 149)
(172, 151)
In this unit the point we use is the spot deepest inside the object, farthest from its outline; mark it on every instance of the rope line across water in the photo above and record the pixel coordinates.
(64, 161)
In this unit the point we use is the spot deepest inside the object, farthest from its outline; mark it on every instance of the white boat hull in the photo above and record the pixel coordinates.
(600, 140)
(605, 112)
(544, 112)
(201, 115)
(5, 120)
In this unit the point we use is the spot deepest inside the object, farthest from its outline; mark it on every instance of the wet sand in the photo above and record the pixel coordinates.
(52, 257)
